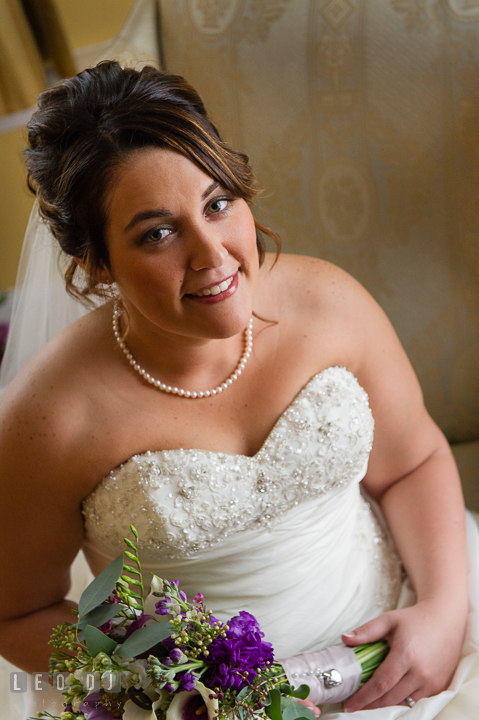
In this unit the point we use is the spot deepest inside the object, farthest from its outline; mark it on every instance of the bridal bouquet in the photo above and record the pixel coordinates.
(179, 663)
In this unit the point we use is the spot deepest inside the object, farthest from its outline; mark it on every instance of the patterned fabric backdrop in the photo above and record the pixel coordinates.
(361, 120)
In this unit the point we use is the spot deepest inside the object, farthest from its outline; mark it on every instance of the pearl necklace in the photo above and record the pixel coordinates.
(175, 390)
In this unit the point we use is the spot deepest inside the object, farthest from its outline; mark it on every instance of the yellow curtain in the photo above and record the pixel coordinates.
(30, 35)
(22, 76)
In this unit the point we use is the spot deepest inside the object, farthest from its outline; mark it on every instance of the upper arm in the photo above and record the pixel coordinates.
(40, 517)
(405, 435)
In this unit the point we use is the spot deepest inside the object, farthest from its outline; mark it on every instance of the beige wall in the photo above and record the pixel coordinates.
(86, 22)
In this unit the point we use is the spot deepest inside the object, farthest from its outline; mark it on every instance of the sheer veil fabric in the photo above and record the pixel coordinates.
(41, 307)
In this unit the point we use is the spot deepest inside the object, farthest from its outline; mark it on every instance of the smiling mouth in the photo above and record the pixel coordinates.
(215, 289)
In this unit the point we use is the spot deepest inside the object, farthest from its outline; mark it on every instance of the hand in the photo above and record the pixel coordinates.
(307, 703)
(425, 642)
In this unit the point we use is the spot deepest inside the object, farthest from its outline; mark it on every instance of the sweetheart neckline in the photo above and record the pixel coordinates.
(266, 441)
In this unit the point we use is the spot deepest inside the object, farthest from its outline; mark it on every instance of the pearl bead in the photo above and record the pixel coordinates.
(180, 391)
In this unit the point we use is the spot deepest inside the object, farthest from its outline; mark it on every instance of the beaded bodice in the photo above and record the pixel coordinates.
(183, 501)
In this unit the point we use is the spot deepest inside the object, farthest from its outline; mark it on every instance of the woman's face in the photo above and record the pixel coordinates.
(182, 249)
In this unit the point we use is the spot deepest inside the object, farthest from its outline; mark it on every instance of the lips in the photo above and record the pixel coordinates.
(216, 292)
(214, 289)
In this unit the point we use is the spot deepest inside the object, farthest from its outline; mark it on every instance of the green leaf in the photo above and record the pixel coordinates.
(293, 710)
(101, 587)
(96, 641)
(242, 693)
(273, 710)
(145, 638)
(100, 615)
(302, 692)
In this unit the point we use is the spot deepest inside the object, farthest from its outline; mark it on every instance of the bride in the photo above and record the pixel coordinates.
(223, 400)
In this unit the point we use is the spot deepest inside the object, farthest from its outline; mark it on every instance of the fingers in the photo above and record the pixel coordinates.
(376, 629)
(377, 696)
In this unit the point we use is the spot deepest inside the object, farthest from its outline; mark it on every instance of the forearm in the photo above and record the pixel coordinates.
(425, 511)
(24, 640)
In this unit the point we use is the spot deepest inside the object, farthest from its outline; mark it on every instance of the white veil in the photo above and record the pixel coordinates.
(41, 305)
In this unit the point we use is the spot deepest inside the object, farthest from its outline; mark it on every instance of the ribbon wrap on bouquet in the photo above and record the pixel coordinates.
(333, 674)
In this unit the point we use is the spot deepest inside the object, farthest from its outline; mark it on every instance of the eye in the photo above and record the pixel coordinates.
(156, 236)
(219, 205)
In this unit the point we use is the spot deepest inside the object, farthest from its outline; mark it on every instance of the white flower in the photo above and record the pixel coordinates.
(133, 712)
(135, 674)
(181, 705)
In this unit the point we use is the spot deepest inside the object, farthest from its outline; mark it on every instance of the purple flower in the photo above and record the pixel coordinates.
(183, 596)
(242, 651)
(176, 655)
(93, 710)
(187, 682)
(140, 622)
(162, 607)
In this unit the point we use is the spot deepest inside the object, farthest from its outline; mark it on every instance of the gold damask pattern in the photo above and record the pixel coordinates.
(361, 119)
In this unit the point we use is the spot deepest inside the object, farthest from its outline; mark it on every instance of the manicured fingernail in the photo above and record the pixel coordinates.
(349, 634)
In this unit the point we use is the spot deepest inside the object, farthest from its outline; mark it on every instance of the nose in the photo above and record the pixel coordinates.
(207, 249)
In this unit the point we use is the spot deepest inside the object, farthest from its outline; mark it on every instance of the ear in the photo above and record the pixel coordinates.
(102, 275)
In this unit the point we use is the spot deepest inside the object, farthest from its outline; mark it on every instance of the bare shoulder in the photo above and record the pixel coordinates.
(308, 281)
(326, 303)
(44, 412)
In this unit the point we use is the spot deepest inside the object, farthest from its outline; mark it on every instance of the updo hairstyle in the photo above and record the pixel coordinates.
(88, 125)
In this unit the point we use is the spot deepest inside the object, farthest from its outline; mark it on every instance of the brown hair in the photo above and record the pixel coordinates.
(88, 125)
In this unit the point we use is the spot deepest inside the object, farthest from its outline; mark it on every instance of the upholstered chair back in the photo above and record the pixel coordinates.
(361, 120)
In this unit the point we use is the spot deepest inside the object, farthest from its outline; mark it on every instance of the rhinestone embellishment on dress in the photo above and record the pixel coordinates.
(187, 500)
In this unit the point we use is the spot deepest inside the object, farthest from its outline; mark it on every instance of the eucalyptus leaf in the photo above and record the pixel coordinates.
(273, 710)
(100, 615)
(242, 693)
(302, 692)
(145, 638)
(101, 587)
(292, 710)
(96, 641)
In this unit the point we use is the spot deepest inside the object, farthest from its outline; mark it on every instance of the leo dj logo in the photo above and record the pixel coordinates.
(110, 682)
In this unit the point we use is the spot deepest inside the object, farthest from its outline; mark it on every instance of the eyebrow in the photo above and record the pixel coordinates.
(162, 212)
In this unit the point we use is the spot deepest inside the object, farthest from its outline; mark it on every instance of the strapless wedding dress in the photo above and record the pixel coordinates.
(287, 534)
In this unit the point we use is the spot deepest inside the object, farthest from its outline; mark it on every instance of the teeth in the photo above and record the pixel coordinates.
(215, 289)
